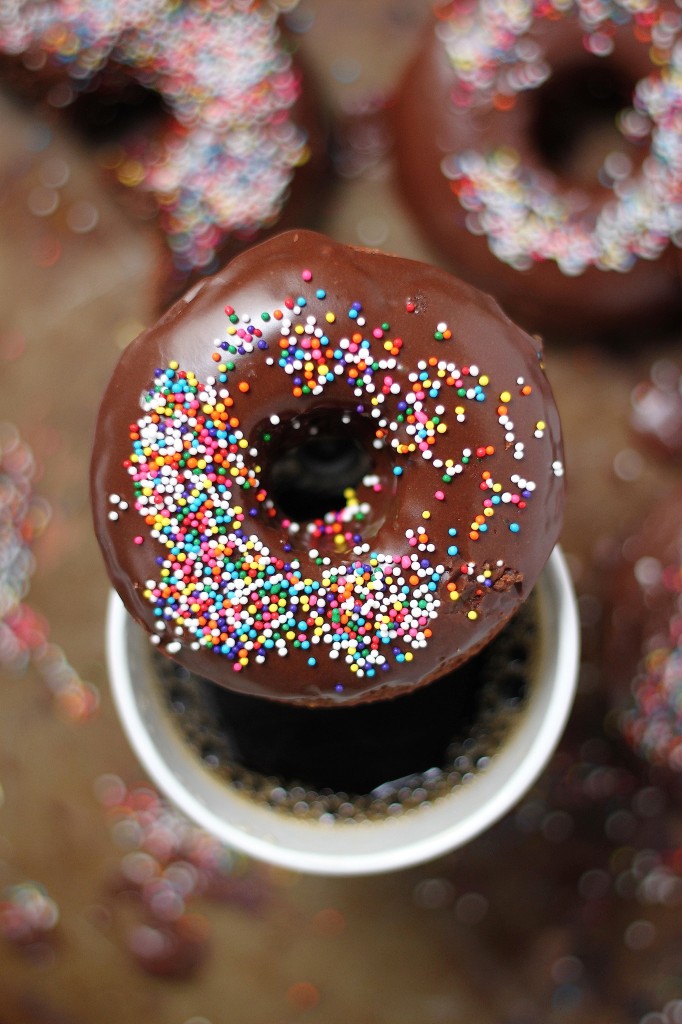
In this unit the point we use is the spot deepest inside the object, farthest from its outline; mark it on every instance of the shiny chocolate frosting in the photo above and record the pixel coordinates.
(328, 474)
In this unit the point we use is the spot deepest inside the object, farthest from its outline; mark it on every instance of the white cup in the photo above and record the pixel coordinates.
(361, 847)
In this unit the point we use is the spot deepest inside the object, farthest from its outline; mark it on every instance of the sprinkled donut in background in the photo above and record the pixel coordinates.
(643, 637)
(656, 410)
(539, 145)
(327, 475)
(230, 128)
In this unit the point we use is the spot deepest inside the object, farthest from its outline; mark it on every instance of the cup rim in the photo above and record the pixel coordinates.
(352, 848)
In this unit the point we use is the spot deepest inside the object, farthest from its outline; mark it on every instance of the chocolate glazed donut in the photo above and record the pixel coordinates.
(541, 161)
(327, 475)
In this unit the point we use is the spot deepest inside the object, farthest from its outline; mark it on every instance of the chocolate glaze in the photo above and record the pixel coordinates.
(502, 414)
(428, 127)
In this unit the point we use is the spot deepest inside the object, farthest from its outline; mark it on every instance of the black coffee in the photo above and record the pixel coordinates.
(366, 761)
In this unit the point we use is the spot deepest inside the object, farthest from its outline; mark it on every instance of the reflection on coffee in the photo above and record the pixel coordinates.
(365, 761)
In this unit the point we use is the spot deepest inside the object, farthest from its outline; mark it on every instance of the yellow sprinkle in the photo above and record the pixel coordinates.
(472, 614)
(483, 379)
(409, 656)
(330, 317)
(426, 514)
(505, 396)
(454, 596)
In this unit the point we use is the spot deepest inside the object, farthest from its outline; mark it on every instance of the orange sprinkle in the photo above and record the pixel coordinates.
(504, 102)
(303, 995)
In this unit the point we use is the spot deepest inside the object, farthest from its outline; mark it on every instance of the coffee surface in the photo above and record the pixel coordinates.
(366, 761)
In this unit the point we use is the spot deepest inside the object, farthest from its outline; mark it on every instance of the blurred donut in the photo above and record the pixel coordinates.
(656, 410)
(220, 126)
(643, 640)
(539, 146)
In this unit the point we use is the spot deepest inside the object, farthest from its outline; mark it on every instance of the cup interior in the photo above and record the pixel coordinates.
(353, 847)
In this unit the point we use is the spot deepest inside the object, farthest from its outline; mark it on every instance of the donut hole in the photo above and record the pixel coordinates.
(575, 119)
(112, 106)
(315, 463)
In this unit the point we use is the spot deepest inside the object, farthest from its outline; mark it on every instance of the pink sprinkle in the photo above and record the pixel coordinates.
(307, 275)
(377, 332)
(439, 496)
(405, 562)
(138, 540)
